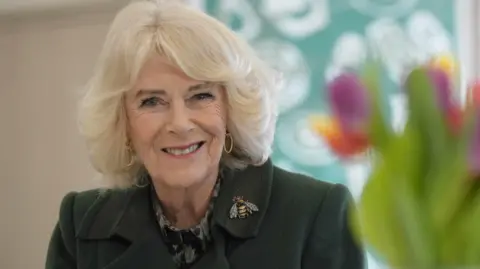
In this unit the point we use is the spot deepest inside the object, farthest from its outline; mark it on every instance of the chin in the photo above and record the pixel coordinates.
(183, 171)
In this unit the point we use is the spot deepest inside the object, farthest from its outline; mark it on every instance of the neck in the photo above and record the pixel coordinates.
(185, 207)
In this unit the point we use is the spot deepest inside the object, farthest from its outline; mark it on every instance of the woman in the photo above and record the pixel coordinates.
(180, 117)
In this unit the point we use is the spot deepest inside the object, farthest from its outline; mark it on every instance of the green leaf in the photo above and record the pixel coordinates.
(389, 210)
(461, 245)
(472, 223)
(405, 167)
(445, 195)
(377, 221)
(380, 131)
(414, 210)
(425, 116)
(447, 198)
(451, 245)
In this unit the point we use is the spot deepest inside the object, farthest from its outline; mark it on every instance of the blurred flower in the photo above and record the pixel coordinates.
(455, 117)
(343, 144)
(409, 206)
(473, 94)
(350, 102)
(443, 87)
(445, 62)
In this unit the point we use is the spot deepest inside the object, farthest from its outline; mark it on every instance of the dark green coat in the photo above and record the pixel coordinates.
(301, 223)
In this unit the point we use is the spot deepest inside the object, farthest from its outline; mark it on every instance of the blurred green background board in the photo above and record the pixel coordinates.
(313, 40)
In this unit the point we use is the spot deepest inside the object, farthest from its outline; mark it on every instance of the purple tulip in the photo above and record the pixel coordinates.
(350, 102)
(474, 147)
(443, 87)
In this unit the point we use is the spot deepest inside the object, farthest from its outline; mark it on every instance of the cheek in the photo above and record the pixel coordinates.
(220, 129)
(143, 127)
(214, 121)
(221, 114)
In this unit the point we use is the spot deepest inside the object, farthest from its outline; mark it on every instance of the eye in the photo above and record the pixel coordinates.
(203, 96)
(150, 101)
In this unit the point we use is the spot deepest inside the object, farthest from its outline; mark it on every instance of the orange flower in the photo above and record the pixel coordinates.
(343, 144)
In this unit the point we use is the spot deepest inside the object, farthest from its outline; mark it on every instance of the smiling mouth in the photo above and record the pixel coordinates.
(182, 151)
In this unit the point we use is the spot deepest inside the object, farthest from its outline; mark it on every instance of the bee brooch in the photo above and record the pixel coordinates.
(242, 208)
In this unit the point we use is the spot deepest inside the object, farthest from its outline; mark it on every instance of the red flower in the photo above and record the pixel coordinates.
(473, 95)
(455, 117)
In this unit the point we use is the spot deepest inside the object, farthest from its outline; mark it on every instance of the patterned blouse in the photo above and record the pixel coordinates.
(187, 245)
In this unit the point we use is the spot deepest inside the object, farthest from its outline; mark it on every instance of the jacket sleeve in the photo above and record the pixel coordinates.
(331, 244)
(61, 250)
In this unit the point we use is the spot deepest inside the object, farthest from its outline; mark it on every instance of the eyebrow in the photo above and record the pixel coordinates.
(193, 88)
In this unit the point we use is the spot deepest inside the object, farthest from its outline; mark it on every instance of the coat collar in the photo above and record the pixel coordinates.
(254, 184)
(128, 213)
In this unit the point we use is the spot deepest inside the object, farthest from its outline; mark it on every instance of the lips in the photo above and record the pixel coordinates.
(184, 150)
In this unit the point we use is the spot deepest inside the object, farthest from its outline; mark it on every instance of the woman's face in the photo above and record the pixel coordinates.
(176, 124)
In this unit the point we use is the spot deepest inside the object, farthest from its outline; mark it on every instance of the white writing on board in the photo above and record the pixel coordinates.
(399, 113)
(397, 46)
(294, 19)
(427, 34)
(288, 59)
(389, 43)
(295, 139)
(349, 52)
(383, 8)
(285, 16)
(251, 24)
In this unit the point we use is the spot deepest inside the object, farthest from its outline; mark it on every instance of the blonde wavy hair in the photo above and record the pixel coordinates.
(206, 50)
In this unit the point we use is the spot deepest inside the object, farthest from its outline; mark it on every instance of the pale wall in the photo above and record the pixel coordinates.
(43, 62)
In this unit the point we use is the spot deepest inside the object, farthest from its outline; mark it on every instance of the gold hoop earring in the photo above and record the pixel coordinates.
(132, 161)
(130, 153)
(228, 135)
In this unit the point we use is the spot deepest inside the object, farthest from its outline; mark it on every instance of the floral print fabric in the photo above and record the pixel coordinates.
(186, 245)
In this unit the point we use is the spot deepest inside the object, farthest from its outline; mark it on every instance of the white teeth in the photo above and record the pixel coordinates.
(179, 152)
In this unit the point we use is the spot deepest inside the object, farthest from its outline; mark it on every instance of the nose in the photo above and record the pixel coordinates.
(179, 119)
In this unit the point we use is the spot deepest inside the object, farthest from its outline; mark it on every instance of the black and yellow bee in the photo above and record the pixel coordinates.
(242, 208)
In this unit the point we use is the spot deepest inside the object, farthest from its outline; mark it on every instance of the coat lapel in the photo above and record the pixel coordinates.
(149, 254)
(138, 225)
(129, 216)
(215, 257)
(253, 184)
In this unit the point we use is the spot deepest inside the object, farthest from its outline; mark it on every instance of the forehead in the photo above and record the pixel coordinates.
(158, 70)
(159, 76)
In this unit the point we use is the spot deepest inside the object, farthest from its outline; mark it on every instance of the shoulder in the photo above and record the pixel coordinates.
(313, 204)
(79, 208)
(326, 208)
(308, 190)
